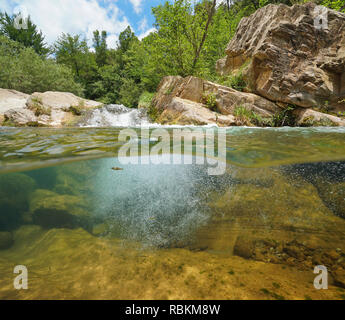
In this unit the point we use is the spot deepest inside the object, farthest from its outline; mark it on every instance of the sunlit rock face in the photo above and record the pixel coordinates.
(291, 55)
(186, 101)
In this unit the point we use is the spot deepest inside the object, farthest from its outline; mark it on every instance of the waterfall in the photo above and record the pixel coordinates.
(115, 115)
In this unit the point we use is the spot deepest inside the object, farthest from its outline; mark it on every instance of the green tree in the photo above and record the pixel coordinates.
(29, 37)
(100, 45)
(74, 52)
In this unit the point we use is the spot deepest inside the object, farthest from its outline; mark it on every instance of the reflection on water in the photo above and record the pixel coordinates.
(86, 231)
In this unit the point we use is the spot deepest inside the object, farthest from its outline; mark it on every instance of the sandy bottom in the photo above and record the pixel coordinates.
(72, 264)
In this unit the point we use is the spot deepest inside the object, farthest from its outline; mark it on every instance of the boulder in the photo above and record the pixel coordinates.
(15, 191)
(49, 109)
(21, 117)
(309, 117)
(185, 101)
(59, 100)
(11, 99)
(52, 210)
(286, 57)
(6, 240)
(283, 204)
(244, 247)
(333, 195)
(186, 112)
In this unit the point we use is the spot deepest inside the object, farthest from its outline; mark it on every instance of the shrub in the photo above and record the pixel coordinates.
(243, 116)
(38, 108)
(285, 117)
(210, 101)
(145, 99)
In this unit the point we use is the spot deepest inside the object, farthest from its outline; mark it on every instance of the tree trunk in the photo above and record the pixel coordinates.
(209, 20)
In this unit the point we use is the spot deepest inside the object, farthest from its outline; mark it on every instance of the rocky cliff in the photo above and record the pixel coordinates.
(292, 55)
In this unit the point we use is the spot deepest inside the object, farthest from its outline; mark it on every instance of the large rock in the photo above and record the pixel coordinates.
(333, 195)
(186, 112)
(11, 99)
(15, 192)
(20, 117)
(52, 109)
(283, 204)
(184, 101)
(309, 118)
(52, 210)
(6, 240)
(59, 100)
(287, 58)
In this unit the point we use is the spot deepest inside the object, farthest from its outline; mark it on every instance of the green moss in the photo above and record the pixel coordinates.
(265, 291)
(272, 294)
(276, 285)
(8, 123)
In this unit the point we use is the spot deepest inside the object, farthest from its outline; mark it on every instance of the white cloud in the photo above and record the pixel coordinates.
(76, 17)
(136, 5)
(146, 33)
(143, 25)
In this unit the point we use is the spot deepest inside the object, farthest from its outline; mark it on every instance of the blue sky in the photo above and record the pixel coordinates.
(84, 16)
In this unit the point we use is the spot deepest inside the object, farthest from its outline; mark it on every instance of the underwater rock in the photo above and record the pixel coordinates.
(72, 178)
(339, 278)
(16, 186)
(15, 191)
(52, 210)
(6, 240)
(244, 248)
(333, 195)
(290, 205)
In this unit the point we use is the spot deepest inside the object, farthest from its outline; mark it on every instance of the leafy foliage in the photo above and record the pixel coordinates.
(29, 37)
(24, 70)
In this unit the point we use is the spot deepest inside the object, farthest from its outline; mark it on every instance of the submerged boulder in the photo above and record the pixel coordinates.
(287, 204)
(333, 195)
(6, 240)
(293, 55)
(52, 210)
(15, 192)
